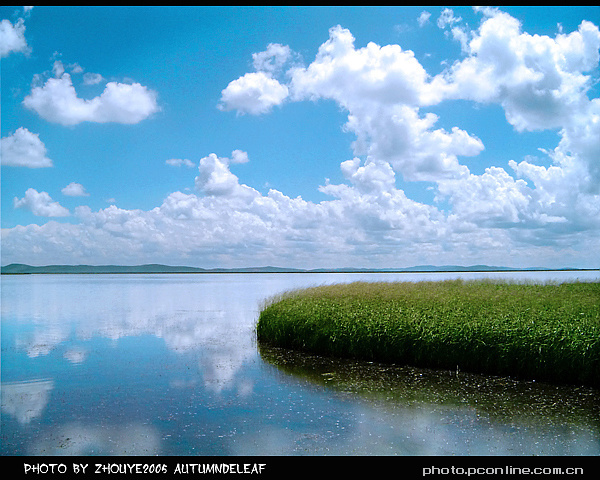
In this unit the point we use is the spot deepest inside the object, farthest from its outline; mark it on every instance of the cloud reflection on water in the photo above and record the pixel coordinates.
(208, 318)
(81, 440)
(26, 400)
(167, 364)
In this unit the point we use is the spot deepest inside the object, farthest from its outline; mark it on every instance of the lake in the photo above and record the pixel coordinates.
(168, 365)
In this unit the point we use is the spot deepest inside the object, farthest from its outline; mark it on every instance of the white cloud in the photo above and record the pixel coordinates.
(40, 204)
(24, 149)
(447, 18)
(177, 162)
(92, 78)
(461, 36)
(12, 38)
(226, 215)
(423, 18)
(529, 212)
(569, 189)
(492, 199)
(272, 59)
(398, 135)
(258, 92)
(254, 93)
(370, 75)
(382, 89)
(57, 101)
(367, 222)
(215, 178)
(74, 189)
(370, 178)
(58, 68)
(539, 81)
(580, 142)
(238, 156)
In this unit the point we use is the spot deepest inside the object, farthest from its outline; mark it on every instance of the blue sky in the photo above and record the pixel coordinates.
(302, 137)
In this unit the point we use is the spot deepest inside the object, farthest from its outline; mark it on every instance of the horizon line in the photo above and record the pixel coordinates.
(27, 269)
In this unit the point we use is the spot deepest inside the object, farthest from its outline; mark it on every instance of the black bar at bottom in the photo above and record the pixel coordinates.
(280, 467)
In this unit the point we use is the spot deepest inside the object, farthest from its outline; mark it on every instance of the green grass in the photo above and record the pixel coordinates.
(548, 332)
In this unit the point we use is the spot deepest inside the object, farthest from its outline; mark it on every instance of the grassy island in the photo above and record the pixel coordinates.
(548, 332)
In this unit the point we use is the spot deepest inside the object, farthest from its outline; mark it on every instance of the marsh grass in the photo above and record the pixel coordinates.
(548, 332)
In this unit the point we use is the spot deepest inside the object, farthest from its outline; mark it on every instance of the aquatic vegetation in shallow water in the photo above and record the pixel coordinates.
(547, 332)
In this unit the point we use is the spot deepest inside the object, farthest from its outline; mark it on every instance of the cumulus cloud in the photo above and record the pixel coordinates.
(57, 101)
(372, 177)
(569, 189)
(352, 77)
(258, 92)
(40, 204)
(254, 93)
(539, 81)
(551, 204)
(24, 149)
(215, 178)
(493, 199)
(74, 189)
(361, 218)
(366, 221)
(383, 88)
(12, 38)
(238, 156)
(399, 135)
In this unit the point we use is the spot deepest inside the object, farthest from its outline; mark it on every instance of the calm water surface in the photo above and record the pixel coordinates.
(168, 365)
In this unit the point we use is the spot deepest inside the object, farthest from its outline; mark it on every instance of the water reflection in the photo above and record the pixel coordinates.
(168, 365)
(414, 411)
(25, 400)
(75, 355)
(50, 314)
(79, 439)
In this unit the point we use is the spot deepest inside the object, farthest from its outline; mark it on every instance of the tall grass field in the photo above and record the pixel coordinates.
(548, 332)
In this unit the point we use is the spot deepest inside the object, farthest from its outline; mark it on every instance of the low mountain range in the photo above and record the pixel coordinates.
(19, 268)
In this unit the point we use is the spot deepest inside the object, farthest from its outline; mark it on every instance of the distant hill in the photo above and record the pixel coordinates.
(19, 268)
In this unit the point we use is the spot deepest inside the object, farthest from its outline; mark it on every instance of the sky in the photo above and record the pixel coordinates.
(308, 137)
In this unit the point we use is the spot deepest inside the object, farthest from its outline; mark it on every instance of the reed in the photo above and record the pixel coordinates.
(548, 332)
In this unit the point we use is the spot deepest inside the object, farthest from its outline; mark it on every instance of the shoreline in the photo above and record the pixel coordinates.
(23, 269)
